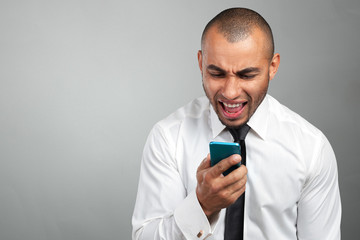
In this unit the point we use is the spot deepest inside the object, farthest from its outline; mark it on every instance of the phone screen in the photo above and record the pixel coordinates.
(222, 150)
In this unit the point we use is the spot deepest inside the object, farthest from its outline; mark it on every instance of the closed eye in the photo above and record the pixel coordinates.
(215, 71)
(247, 76)
(248, 73)
(217, 75)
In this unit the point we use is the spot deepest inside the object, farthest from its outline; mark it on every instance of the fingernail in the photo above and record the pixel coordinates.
(238, 157)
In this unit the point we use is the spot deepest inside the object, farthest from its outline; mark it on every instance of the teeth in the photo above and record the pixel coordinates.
(232, 105)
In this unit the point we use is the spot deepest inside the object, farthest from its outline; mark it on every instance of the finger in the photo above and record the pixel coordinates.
(238, 193)
(234, 182)
(205, 163)
(236, 175)
(225, 164)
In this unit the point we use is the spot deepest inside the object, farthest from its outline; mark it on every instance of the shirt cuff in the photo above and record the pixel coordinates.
(192, 220)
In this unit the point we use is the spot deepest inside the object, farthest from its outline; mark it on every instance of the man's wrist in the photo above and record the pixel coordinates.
(210, 214)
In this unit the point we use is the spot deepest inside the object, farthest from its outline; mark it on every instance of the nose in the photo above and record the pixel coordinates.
(231, 89)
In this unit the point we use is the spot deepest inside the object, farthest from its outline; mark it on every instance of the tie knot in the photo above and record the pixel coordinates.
(240, 132)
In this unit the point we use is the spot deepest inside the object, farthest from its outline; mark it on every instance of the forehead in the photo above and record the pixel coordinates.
(248, 52)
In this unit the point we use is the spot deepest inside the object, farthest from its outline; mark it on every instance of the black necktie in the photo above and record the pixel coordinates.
(234, 218)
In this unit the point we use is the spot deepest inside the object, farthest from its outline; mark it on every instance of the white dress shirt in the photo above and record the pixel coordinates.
(292, 184)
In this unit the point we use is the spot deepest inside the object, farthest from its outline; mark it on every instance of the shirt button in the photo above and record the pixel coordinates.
(200, 234)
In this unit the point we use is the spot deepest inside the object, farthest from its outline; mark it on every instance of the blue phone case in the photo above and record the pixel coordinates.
(222, 150)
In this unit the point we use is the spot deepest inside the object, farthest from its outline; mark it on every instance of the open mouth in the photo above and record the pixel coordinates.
(232, 110)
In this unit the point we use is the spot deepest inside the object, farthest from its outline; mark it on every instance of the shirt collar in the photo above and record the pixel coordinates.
(258, 121)
(216, 126)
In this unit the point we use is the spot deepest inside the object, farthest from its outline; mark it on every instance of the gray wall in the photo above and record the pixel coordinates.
(82, 82)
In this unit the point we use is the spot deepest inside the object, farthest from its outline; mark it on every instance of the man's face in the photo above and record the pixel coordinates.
(236, 75)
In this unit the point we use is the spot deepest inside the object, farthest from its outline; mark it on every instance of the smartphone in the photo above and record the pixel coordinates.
(222, 150)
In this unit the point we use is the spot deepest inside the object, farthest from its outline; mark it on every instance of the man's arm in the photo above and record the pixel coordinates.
(164, 209)
(319, 209)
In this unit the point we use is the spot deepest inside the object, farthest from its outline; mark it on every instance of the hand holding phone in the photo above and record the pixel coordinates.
(213, 190)
(222, 150)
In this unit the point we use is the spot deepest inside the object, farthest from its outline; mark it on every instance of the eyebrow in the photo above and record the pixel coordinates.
(216, 68)
(248, 70)
(241, 72)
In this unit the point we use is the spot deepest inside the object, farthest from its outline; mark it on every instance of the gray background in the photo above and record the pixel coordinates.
(82, 82)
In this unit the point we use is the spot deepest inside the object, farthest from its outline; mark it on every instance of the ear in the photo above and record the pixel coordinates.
(199, 56)
(274, 65)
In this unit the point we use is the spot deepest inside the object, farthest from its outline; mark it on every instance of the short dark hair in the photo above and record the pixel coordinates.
(238, 23)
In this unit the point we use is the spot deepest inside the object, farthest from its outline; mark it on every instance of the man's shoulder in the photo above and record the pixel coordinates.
(287, 117)
(196, 109)
(184, 121)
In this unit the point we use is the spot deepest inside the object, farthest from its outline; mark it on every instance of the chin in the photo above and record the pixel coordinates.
(233, 123)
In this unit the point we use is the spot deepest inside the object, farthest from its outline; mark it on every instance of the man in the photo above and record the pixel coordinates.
(290, 175)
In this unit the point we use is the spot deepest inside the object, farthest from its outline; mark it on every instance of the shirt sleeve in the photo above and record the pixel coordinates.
(163, 208)
(319, 208)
